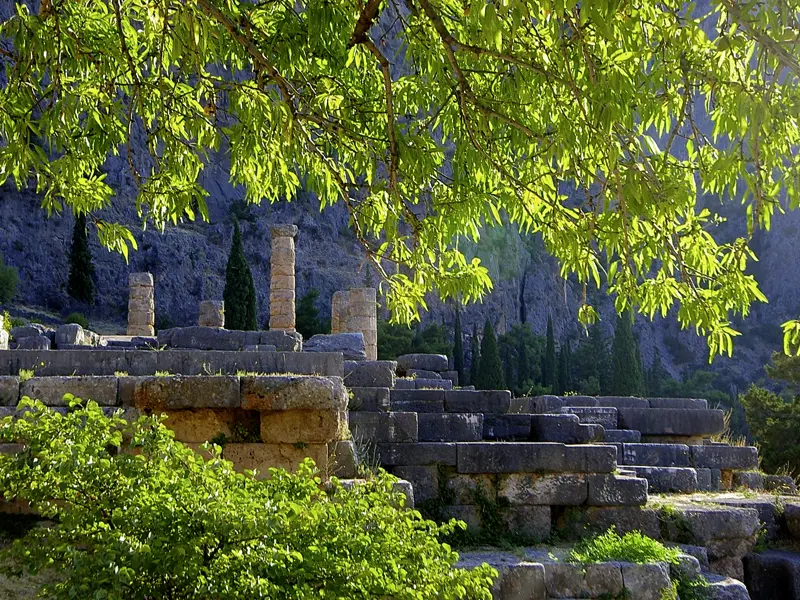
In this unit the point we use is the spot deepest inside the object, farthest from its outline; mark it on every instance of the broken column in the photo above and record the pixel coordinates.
(212, 314)
(141, 305)
(282, 282)
(3, 334)
(355, 311)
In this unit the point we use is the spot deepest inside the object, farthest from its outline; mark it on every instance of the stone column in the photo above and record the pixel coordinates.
(212, 314)
(355, 311)
(141, 305)
(282, 283)
(3, 334)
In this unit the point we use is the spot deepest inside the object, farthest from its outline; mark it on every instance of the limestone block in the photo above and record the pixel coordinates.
(450, 427)
(491, 401)
(284, 266)
(51, 390)
(281, 322)
(419, 454)
(656, 455)
(725, 457)
(627, 436)
(467, 489)
(597, 415)
(140, 280)
(180, 391)
(41, 342)
(428, 362)
(567, 580)
(406, 383)
(693, 403)
(71, 334)
(531, 522)
(351, 345)
(282, 230)
(646, 582)
(724, 531)
(30, 330)
(525, 581)
(378, 427)
(748, 479)
(9, 391)
(378, 373)
(293, 393)
(668, 480)
(622, 402)
(615, 490)
(424, 479)
(212, 314)
(539, 404)
(262, 457)
(792, 516)
(343, 459)
(423, 374)
(283, 282)
(307, 426)
(672, 421)
(469, 514)
(433, 384)
(199, 425)
(522, 457)
(780, 483)
(369, 399)
(564, 489)
(417, 400)
(506, 427)
(284, 341)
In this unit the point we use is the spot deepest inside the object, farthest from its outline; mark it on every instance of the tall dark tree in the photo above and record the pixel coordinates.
(307, 319)
(475, 358)
(240, 292)
(656, 376)
(458, 349)
(564, 379)
(490, 370)
(626, 372)
(549, 360)
(523, 364)
(81, 270)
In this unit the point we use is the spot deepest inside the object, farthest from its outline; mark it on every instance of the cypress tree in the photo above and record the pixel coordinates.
(549, 361)
(564, 382)
(240, 292)
(476, 356)
(523, 364)
(307, 318)
(81, 270)
(490, 370)
(626, 372)
(656, 375)
(458, 349)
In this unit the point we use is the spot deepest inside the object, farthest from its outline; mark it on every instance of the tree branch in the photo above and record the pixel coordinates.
(365, 21)
(394, 157)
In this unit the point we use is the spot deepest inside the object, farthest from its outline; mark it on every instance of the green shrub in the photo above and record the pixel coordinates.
(166, 523)
(9, 279)
(775, 426)
(632, 547)
(78, 318)
(7, 321)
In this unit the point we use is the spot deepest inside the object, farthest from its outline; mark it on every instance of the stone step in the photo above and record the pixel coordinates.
(594, 415)
(725, 457)
(507, 427)
(382, 427)
(772, 575)
(369, 399)
(563, 428)
(450, 427)
(725, 588)
(667, 480)
(374, 373)
(628, 436)
(433, 384)
(420, 401)
(672, 421)
(655, 455)
(478, 401)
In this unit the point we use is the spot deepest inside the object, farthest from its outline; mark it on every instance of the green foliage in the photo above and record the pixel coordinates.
(633, 547)
(431, 339)
(80, 284)
(593, 363)
(240, 292)
(564, 368)
(310, 101)
(656, 376)
(9, 279)
(475, 356)
(307, 319)
(521, 351)
(78, 318)
(7, 325)
(458, 349)
(490, 368)
(165, 523)
(395, 339)
(549, 359)
(775, 426)
(785, 368)
(626, 372)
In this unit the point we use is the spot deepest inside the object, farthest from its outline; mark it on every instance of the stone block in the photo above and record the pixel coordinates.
(772, 483)
(198, 425)
(288, 392)
(666, 480)
(566, 489)
(511, 457)
(615, 490)
(369, 399)
(422, 374)
(72, 334)
(724, 531)
(590, 458)
(555, 428)
(427, 362)
(626, 436)
(30, 330)
(202, 338)
(506, 427)
(418, 400)
(530, 522)
(646, 582)
(424, 479)
(580, 401)
(692, 403)
(179, 391)
(623, 402)
(525, 581)
(342, 459)
(284, 341)
(306, 426)
(492, 401)
(351, 345)
(705, 482)
(770, 513)
(3, 337)
(725, 457)
(405, 383)
(262, 457)
(49, 363)
(405, 488)
(656, 455)
(40, 342)
(212, 314)
(450, 427)
(598, 519)
(433, 384)
(307, 363)
(140, 280)
(469, 514)
(9, 391)
(791, 514)
(566, 580)
(417, 454)
(672, 421)
(470, 489)
(51, 390)
(598, 415)
(452, 376)
(380, 427)
(752, 480)
(772, 575)
(377, 373)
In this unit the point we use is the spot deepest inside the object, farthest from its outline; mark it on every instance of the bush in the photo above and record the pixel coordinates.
(7, 321)
(78, 318)
(166, 523)
(775, 426)
(9, 279)
(632, 547)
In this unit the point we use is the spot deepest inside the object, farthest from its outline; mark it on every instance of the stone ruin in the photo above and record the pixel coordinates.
(355, 311)
(141, 305)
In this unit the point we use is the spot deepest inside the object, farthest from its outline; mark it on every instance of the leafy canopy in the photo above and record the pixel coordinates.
(430, 120)
(163, 522)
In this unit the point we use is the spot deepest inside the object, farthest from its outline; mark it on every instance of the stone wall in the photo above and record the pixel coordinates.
(141, 304)
(354, 311)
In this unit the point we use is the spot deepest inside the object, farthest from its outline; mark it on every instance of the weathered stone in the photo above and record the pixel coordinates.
(791, 513)
(772, 575)
(725, 588)
(287, 392)
(725, 457)
(379, 427)
(565, 580)
(204, 338)
(506, 427)
(343, 459)
(405, 383)
(422, 374)
(770, 513)
(525, 581)
(378, 373)
(780, 483)
(351, 345)
(672, 421)
(598, 415)
(34, 343)
(450, 427)
(3, 336)
(627, 436)
(433, 384)
(563, 489)
(469, 514)
(424, 479)
(668, 480)
(705, 480)
(491, 401)
(752, 480)
(526, 457)
(529, 522)
(30, 330)
(141, 305)
(615, 490)
(576, 524)
(419, 454)
(405, 488)
(305, 426)
(729, 566)
(656, 455)
(198, 425)
(261, 457)
(369, 399)
(562, 428)
(51, 390)
(646, 582)
(319, 363)
(418, 400)
(542, 404)
(140, 280)
(724, 531)
(692, 403)
(452, 376)
(427, 362)
(72, 334)
(212, 313)
(179, 391)
(284, 341)
(470, 489)
(9, 391)
(623, 402)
